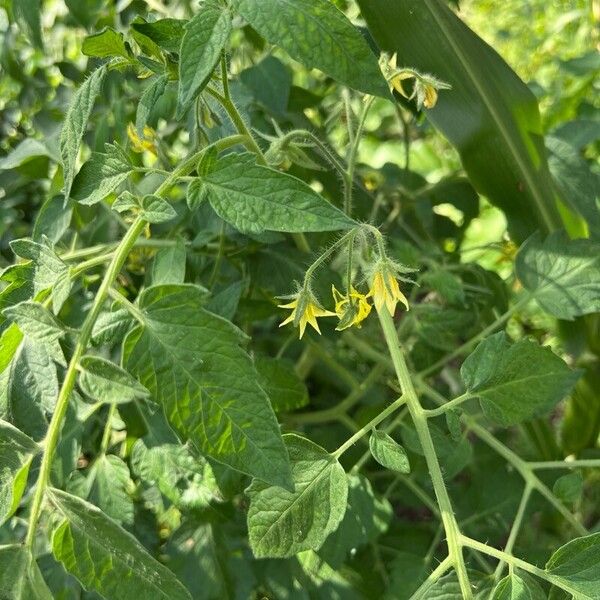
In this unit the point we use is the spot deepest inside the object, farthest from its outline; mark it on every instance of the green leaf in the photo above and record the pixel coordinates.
(278, 378)
(20, 577)
(317, 34)
(105, 382)
(106, 558)
(205, 37)
(388, 453)
(126, 201)
(516, 382)
(109, 487)
(514, 587)
(562, 274)
(191, 362)
(577, 567)
(111, 326)
(106, 43)
(568, 487)
(76, 122)
(27, 13)
(49, 271)
(16, 453)
(147, 101)
(579, 185)
(254, 199)
(283, 523)
(156, 210)
(270, 82)
(32, 388)
(53, 220)
(38, 323)
(167, 33)
(225, 302)
(489, 112)
(101, 175)
(366, 518)
(26, 151)
(168, 265)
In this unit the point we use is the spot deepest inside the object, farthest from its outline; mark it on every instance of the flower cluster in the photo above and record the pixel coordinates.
(353, 307)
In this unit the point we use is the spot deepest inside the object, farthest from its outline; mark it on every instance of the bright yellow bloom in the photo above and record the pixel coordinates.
(309, 311)
(386, 291)
(142, 144)
(352, 309)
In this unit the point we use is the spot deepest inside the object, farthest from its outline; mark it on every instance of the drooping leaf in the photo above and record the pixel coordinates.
(32, 388)
(38, 323)
(110, 487)
(489, 112)
(278, 378)
(576, 565)
(516, 382)
(317, 34)
(168, 265)
(104, 381)
(563, 275)
(254, 199)
(106, 43)
(20, 577)
(156, 209)
(192, 363)
(282, 523)
(16, 453)
(87, 539)
(49, 271)
(205, 37)
(388, 453)
(76, 122)
(147, 101)
(515, 587)
(101, 175)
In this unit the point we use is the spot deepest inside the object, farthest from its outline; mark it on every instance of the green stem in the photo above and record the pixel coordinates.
(62, 402)
(107, 429)
(435, 472)
(436, 412)
(384, 414)
(444, 566)
(518, 563)
(491, 328)
(514, 531)
(590, 463)
(349, 179)
(335, 246)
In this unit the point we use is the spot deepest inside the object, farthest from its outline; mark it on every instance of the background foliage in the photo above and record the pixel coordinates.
(171, 476)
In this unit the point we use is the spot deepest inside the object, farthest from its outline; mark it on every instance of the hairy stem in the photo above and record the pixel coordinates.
(419, 418)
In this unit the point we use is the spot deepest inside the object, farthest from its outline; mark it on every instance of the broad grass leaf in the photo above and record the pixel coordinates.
(87, 539)
(205, 37)
(282, 523)
(489, 115)
(317, 34)
(563, 275)
(254, 198)
(16, 453)
(76, 122)
(20, 577)
(516, 382)
(577, 566)
(193, 365)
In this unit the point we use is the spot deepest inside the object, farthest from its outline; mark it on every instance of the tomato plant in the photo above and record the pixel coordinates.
(299, 300)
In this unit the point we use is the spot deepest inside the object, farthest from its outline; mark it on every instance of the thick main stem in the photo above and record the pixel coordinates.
(453, 535)
(62, 402)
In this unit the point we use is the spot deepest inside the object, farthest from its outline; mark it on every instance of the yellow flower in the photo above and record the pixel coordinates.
(352, 309)
(142, 144)
(430, 96)
(386, 291)
(305, 309)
